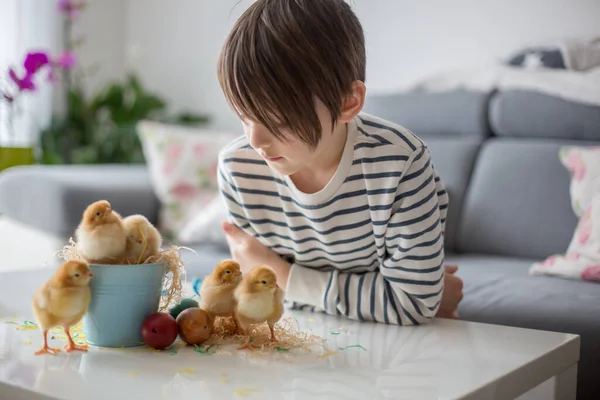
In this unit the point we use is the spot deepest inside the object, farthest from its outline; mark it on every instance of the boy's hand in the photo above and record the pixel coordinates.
(452, 294)
(249, 252)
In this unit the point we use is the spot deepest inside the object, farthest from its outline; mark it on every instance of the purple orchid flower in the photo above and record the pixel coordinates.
(35, 61)
(69, 7)
(66, 60)
(23, 84)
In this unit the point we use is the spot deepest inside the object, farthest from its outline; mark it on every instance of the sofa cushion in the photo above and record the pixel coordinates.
(455, 113)
(522, 113)
(499, 291)
(53, 198)
(453, 159)
(518, 201)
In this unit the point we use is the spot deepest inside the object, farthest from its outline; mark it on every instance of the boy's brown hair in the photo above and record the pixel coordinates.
(282, 54)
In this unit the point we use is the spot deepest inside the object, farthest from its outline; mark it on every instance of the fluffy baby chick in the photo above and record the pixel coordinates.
(63, 301)
(101, 234)
(143, 239)
(216, 293)
(258, 299)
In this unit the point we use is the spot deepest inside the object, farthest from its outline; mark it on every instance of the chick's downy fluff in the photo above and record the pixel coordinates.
(63, 301)
(258, 299)
(143, 239)
(101, 234)
(216, 293)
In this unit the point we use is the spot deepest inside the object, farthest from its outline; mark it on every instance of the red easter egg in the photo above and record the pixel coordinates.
(159, 330)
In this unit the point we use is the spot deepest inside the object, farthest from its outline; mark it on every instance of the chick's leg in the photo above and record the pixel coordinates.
(45, 349)
(273, 339)
(71, 346)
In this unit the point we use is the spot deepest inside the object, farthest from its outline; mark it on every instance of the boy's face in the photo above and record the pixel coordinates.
(292, 155)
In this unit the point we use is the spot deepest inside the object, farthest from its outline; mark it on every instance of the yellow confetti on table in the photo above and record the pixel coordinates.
(186, 370)
(13, 317)
(12, 323)
(311, 320)
(27, 342)
(329, 353)
(223, 377)
(245, 392)
(133, 373)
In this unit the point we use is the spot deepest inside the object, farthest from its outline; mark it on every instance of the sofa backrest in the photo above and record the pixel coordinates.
(509, 193)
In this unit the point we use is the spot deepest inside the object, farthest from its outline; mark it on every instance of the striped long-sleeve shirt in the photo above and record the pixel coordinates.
(370, 244)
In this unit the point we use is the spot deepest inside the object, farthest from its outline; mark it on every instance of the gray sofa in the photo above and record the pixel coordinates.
(498, 156)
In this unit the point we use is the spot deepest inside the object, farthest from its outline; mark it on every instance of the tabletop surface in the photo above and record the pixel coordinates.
(446, 359)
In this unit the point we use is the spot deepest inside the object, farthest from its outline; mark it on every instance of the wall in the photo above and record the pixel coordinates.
(175, 46)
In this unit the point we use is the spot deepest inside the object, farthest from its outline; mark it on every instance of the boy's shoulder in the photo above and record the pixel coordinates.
(372, 129)
(239, 155)
(239, 147)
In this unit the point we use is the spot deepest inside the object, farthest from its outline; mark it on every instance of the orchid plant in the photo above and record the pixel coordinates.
(34, 64)
(95, 127)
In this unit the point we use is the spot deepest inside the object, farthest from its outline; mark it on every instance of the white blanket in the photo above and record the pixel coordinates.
(577, 86)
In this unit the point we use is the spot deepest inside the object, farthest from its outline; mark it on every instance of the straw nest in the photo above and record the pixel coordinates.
(287, 332)
(173, 280)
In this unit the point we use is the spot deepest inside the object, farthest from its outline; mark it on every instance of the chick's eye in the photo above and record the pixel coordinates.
(98, 214)
(263, 282)
(228, 272)
(76, 275)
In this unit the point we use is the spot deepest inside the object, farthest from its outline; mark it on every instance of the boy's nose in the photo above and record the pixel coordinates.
(258, 136)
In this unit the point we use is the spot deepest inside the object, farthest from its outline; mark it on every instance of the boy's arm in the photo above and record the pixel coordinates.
(407, 288)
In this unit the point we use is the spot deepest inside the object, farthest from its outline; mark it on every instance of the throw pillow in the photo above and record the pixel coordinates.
(182, 163)
(582, 259)
(583, 163)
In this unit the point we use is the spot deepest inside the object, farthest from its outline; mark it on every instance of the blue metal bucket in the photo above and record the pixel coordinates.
(122, 297)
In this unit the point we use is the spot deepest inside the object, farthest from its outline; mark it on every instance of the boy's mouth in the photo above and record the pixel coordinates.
(272, 159)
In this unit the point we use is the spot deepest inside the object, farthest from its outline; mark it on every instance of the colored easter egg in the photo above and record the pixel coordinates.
(195, 325)
(159, 330)
(183, 305)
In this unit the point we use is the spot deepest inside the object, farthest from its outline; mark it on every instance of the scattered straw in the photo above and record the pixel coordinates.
(172, 287)
(245, 392)
(328, 354)
(353, 346)
(186, 370)
(287, 332)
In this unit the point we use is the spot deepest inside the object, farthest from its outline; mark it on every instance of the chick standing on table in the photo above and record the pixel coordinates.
(63, 301)
(143, 239)
(101, 233)
(216, 293)
(258, 299)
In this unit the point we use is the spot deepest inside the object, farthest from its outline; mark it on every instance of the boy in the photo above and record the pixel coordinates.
(347, 209)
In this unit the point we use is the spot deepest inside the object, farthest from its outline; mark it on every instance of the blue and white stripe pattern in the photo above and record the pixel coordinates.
(370, 244)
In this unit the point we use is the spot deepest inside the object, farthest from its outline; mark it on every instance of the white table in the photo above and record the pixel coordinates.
(445, 359)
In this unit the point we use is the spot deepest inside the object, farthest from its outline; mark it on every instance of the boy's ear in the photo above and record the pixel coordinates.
(353, 102)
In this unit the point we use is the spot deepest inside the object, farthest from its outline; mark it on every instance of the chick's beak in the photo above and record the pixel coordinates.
(108, 210)
(90, 275)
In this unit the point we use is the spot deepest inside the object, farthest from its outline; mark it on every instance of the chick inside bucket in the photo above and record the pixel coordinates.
(122, 297)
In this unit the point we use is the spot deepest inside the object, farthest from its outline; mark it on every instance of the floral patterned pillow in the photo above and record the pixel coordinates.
(583, 163)
(182, 163)
(582, 259)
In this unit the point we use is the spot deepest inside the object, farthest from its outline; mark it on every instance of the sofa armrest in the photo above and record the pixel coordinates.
(53, 198)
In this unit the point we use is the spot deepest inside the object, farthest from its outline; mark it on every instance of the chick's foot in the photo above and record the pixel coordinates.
(47, 350)
(69, 347)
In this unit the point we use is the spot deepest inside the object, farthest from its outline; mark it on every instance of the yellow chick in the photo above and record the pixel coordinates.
(63, 301)
(258, 299)
(143, 239)
(101, 234)
(216, 293)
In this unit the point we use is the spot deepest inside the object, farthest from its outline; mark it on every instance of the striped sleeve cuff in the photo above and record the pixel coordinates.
(306, 285)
